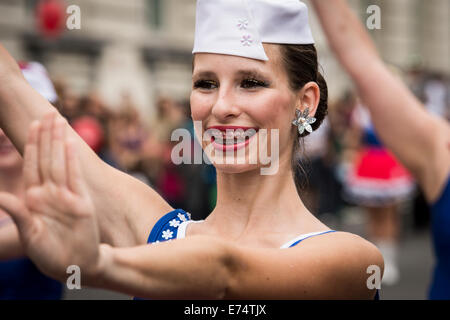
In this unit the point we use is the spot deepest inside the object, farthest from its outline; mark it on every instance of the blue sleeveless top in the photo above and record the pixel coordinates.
(440, 226)
(173, 226)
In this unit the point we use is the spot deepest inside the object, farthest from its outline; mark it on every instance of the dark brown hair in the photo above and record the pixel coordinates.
(301, 65)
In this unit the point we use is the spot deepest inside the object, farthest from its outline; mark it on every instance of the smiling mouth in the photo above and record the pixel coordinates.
(231, 138)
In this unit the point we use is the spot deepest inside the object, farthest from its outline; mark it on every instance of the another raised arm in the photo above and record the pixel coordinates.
(126, 208)
(418, 139)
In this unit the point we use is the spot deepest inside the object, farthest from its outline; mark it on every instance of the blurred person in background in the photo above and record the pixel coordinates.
(171, 184)
(419, 139)
(169, 116)
(344, 137)
(69, 101)
(127, 137)
(90, 120)
(19, 277)
(437, 95)
(318, 192)
(152, 152)
(377, 182)
(92, 105)
(200, 178)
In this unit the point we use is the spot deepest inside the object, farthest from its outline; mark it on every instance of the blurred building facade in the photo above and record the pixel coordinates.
(143, 47)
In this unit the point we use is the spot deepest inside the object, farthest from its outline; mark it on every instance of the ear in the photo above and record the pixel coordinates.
(309, 97)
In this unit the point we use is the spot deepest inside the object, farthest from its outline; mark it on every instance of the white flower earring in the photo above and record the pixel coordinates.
(303, 121)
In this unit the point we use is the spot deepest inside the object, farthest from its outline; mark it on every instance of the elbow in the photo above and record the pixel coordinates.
(232, 267)
(226, 272)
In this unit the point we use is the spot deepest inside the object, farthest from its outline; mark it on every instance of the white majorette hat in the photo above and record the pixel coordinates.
(239, 27)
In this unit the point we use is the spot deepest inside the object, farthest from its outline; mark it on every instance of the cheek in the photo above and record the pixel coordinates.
(272, 111)
(276, 112)
(200, 106)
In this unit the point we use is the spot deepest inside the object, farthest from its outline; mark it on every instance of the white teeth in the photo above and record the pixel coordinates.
(239, 134)
(230, 137)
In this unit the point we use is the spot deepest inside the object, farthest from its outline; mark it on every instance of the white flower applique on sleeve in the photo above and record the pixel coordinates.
(167, 234)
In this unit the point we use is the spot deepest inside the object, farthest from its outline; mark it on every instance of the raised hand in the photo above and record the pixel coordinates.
(56, 219)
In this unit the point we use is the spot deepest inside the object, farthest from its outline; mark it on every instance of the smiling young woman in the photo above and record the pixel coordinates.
(259, 242)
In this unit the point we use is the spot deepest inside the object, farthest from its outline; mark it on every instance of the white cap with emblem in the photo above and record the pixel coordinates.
(240, 27)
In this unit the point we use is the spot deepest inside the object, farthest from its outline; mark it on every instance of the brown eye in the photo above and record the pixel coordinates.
(205, 84)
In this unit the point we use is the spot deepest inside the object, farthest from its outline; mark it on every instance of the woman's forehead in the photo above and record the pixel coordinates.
(208, 62)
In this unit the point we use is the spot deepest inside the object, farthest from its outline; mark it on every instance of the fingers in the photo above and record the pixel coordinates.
(58, 159)
(16, 209)
(49, 157)
(45, 139)
(31, 164)
(75, 180)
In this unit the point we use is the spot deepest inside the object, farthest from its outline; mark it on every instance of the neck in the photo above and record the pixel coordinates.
(251, 201)
(11, 181)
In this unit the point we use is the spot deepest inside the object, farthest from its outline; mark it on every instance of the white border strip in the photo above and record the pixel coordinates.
(181, 233)
(301, 237)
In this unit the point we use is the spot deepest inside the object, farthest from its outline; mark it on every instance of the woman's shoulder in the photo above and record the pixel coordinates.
(345, 246)
(332, 265)
(342, 237)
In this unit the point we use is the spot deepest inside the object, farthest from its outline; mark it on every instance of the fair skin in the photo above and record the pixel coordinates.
(11, 180)
(240, 240)
(396, 113)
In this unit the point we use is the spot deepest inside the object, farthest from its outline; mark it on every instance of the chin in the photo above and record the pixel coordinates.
(235, 168)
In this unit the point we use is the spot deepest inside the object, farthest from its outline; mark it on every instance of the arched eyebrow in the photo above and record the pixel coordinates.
(243, 73)
(204, 74)
(251, 73)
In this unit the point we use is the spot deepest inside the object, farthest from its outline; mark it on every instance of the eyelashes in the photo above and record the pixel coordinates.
(205, 84)
(253, 83)
(249, 83)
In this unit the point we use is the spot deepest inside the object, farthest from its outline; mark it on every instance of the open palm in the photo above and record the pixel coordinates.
(56, 219)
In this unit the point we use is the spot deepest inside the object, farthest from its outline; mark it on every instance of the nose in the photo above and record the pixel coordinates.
(225, 107)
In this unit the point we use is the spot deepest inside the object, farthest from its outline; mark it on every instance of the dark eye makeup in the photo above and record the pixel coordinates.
(248, 83)
(205, 84)
(253, 83)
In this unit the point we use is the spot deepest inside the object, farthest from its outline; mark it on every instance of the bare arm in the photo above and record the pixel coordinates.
(126, 208)
(418, 139)
(210, 268)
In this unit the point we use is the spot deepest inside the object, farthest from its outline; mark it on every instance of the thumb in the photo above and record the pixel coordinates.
(16, 209)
